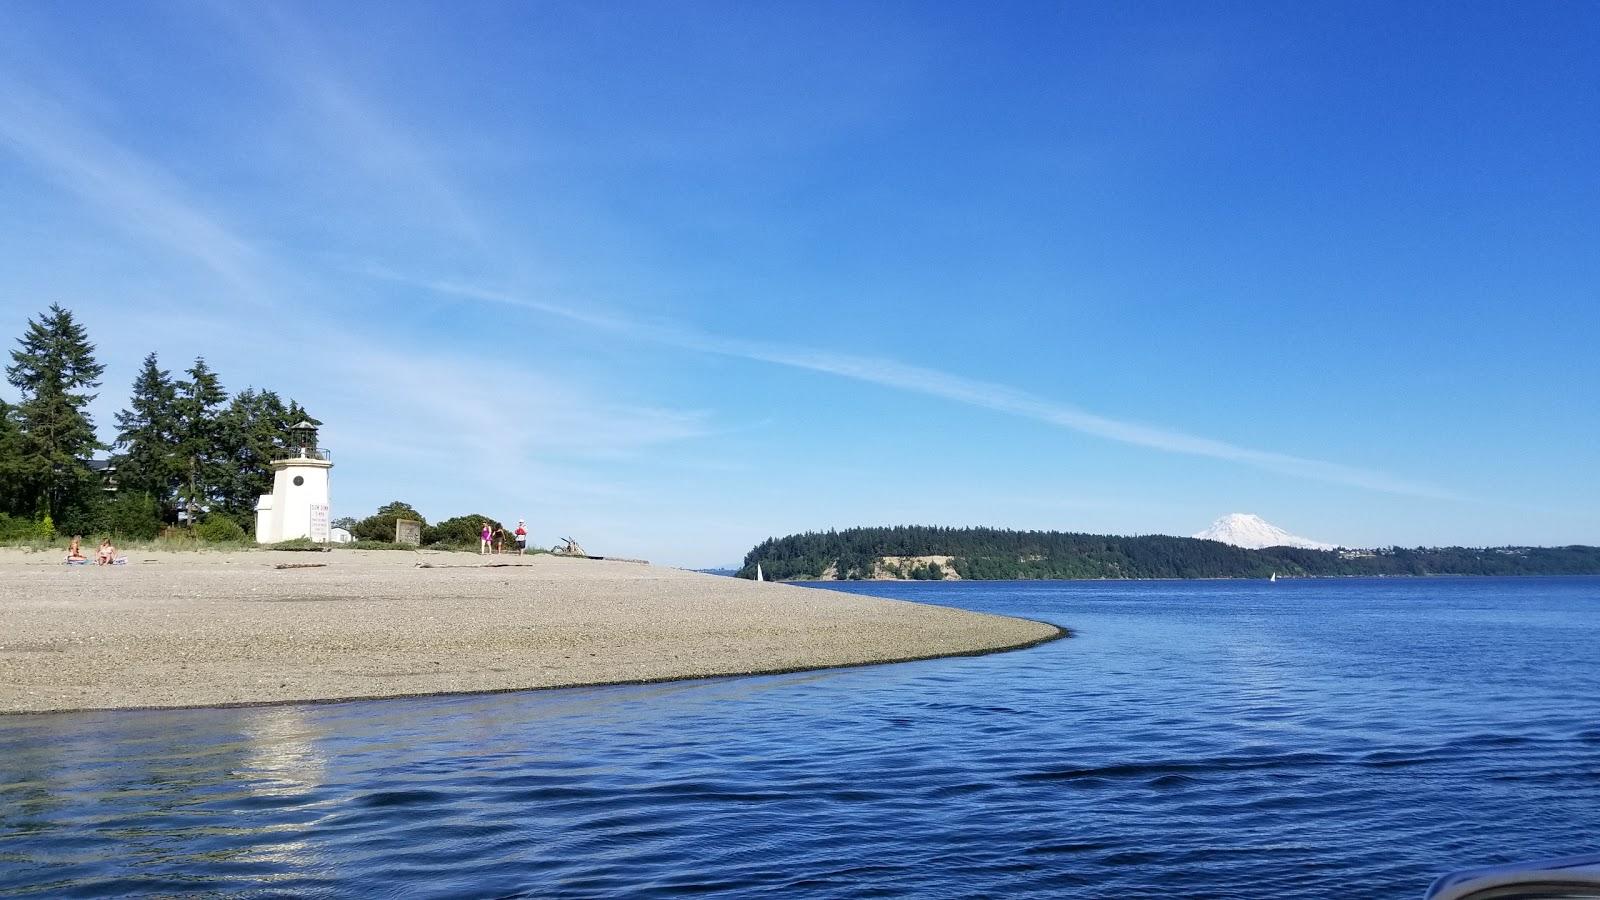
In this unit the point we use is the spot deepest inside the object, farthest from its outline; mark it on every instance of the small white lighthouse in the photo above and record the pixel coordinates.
(298, 505)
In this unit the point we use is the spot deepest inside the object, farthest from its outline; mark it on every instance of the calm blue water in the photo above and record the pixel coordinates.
(1195, 739)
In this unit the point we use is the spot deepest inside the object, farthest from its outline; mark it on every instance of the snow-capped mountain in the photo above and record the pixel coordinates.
(1254, 532)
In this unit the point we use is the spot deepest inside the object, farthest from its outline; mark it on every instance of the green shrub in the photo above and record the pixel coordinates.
(299, 543)
(132, 516)
(45, 529)
(219, 530)
(380, 527)
(88, 516)
(16, 528)
(461, 531)
(177, 537)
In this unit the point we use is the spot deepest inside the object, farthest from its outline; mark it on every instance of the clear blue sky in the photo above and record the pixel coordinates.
(672, 278)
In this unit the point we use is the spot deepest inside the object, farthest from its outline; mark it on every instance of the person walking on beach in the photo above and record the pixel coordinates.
(484, 534)
(522, 537)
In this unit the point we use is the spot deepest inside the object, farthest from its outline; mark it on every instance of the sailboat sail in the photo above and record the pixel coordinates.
(759, 576)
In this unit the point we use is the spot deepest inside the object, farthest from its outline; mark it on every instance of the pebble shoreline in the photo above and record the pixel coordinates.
(176, 629)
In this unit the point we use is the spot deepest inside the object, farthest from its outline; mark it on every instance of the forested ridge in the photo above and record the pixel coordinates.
(995, 553)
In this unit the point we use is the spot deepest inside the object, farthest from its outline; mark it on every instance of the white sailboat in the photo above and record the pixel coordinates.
(759, 576)
(1274, 577)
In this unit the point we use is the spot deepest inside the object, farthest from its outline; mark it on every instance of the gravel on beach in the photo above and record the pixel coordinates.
(204, 628)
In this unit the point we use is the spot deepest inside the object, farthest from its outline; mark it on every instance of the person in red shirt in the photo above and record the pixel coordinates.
(522, 537)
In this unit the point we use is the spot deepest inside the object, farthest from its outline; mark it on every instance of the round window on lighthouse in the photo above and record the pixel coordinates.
(299, 480)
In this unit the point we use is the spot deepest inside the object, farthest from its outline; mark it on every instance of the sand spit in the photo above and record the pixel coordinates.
(211, 628)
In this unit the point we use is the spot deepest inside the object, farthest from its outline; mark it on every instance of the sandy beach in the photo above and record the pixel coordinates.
(215, 628)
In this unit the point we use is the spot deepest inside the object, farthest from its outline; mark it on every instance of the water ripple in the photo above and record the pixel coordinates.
(1193, 739)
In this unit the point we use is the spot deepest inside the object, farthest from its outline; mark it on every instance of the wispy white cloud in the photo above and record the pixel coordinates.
(141, 197)
(477, 407)
(1005, 399)
(133, 193)
(454, 403)
(348, 124)
(317, 82)
(967, 391)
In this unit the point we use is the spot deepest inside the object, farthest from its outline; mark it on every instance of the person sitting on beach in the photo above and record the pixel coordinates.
(484, 534)
(75, 550)
(107, 554)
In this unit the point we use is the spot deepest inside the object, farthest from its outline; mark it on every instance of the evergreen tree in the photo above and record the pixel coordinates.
(52, 369)
(198, 432)
(297, 414)
(147, 438)
(14, 492)
(252, 433)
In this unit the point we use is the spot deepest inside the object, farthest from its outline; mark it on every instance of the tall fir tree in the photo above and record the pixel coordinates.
(13, 486)
(298, 414)
(198, 433)
(253, 430)
(147, 437)
(53, 369)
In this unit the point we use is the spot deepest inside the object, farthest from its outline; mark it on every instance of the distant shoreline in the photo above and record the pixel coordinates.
(935, 553)
(1197, 578)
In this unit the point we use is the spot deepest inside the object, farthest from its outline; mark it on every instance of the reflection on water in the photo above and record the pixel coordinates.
(1195, 739)
(282, 757)
(283, 765)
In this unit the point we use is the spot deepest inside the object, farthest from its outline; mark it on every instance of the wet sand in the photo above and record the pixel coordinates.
(221, 628)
